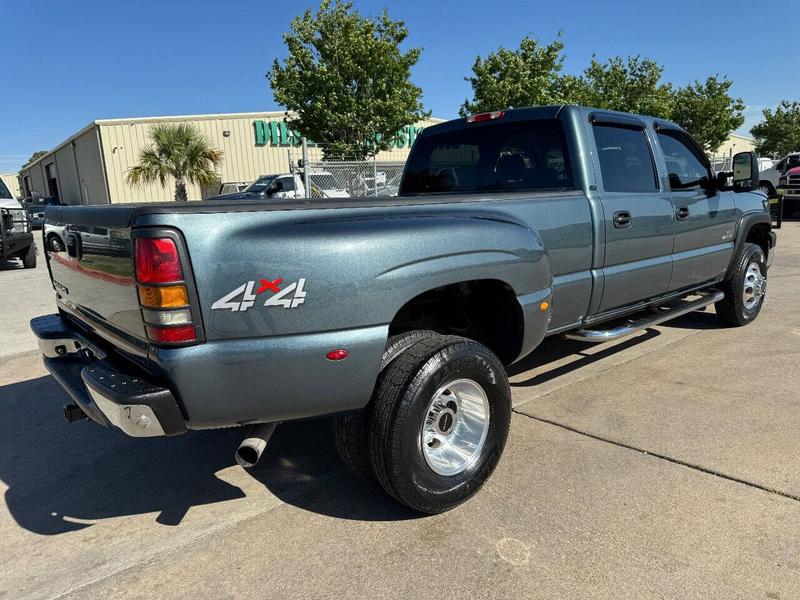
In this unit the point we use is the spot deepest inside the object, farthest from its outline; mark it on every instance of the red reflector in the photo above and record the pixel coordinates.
(157, 261)
(171, 335)
(340, 354)
(487, 116)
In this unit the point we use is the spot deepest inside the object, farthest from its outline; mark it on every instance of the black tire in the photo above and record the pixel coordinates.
(400, 407)
(350, 431)
(733, 310)
(29, 259)
(55, 244)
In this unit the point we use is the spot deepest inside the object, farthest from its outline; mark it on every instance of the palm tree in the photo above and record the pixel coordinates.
(179, 151)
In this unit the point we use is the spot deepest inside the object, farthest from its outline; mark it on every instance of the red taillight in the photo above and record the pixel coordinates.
(172, 335)
(487, 116)
(157, 261)
(163, 294)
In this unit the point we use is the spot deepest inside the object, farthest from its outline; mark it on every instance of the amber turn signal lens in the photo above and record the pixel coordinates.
(544, 306)
(163, 297)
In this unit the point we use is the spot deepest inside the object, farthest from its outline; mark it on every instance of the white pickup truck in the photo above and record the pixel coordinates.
(289, 186)
(770, 178)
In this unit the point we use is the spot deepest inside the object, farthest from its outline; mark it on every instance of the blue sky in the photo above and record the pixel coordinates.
(68, 63)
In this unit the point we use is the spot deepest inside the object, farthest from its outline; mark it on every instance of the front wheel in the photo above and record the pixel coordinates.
(441, 415)
(745, 289)
(29, 258)
(55, 244)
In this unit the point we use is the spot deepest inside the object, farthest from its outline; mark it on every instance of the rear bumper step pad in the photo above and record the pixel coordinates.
(108, 392)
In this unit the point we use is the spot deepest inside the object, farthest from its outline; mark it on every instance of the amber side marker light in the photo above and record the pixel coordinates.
(544, 306)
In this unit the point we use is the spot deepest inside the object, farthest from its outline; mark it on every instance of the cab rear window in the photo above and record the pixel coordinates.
(497, 157)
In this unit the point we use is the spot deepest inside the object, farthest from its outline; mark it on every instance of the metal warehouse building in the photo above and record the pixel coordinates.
(90, 166)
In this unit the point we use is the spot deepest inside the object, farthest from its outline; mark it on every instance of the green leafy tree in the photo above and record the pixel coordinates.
(527, 76)
(36, 155)
(179, 152)
(628, 85)
(708, 111)
(779, 132)
(346, 80)
(532, 75)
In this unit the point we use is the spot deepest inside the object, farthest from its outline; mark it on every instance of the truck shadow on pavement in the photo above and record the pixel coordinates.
(62, 477)
(555, 349)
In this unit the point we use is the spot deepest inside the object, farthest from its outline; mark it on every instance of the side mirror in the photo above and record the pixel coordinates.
(745, 172)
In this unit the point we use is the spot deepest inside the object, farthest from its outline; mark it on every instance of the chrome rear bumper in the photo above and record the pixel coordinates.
(109, 392)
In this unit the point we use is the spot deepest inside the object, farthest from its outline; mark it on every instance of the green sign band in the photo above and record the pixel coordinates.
(277, 133)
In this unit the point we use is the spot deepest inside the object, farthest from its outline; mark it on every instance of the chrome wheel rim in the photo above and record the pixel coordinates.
(754, 286)
(455, 427)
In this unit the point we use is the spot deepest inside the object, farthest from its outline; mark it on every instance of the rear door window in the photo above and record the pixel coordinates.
(502, 157)
(626, 162)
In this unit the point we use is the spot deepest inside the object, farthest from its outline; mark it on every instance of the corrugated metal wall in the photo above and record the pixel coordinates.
(90, 168)
(36, 173)
(79, 170)
(79, 161)
(12, 183)
(244, 161)
(68, 186)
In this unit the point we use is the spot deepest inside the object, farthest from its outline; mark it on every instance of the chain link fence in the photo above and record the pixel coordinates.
(343, 178)
(721, 162)
(724, 162)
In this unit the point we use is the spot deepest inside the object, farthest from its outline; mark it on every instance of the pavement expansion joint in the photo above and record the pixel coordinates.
(671, 459)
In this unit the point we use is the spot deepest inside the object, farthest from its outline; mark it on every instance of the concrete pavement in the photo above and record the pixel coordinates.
(664, 466)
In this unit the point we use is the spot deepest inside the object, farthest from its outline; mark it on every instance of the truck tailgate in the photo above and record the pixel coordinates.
(93, 273)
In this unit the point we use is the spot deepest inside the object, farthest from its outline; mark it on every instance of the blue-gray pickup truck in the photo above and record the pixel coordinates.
(398, 316)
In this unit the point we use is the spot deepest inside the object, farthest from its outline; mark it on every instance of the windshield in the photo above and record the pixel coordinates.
(260, 184)
(794, 161)
(324, 182)
(511, 156)
(4, 193)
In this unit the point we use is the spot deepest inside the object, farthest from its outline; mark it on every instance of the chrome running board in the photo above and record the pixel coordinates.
(662, 314)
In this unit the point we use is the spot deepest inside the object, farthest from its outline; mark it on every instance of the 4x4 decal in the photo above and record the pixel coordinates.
(291, 296)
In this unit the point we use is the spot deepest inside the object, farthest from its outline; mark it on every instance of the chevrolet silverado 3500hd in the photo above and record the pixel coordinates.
(398, 316)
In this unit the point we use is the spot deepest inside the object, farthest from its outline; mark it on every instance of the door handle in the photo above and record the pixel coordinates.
(682, 213)
(622, 219)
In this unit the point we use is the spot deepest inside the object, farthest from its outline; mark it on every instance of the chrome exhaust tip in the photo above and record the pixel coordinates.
(252, 447)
